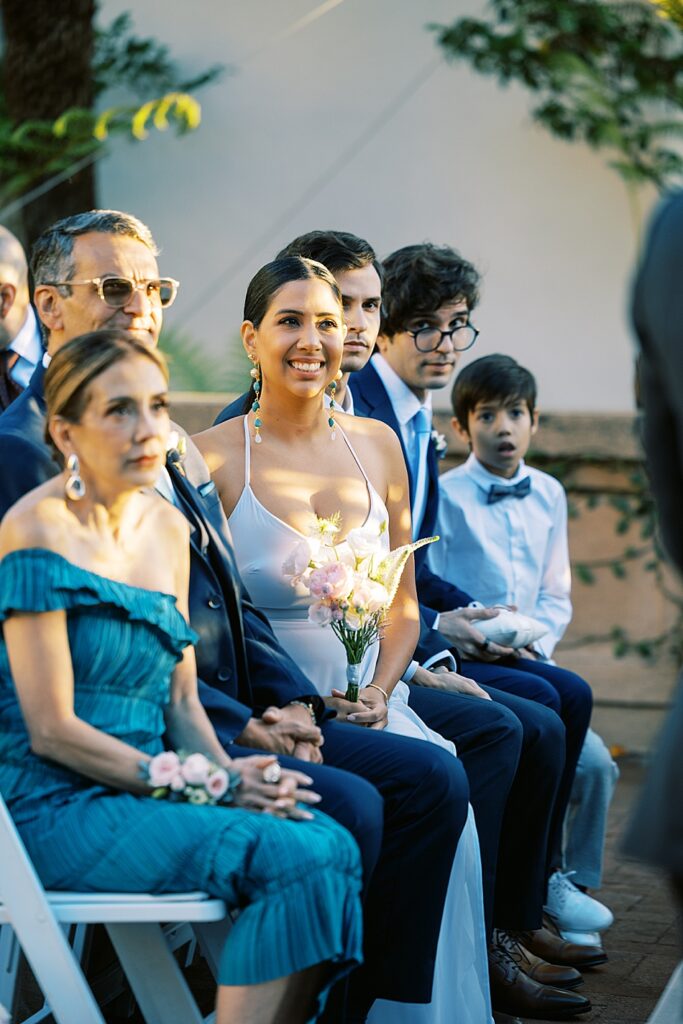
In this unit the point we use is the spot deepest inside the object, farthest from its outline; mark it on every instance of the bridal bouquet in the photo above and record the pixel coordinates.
(352, 584)
(190, 778)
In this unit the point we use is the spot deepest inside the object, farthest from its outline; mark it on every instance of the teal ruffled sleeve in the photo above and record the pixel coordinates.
(39, 580)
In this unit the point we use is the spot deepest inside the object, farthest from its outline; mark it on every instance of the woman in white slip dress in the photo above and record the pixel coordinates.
(294, 333)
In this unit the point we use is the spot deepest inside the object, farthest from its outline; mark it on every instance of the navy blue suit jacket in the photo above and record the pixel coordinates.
(241, 666)
(236, 408)
(370, 398)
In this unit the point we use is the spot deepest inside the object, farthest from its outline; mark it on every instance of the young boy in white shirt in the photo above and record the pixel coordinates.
(503, 530)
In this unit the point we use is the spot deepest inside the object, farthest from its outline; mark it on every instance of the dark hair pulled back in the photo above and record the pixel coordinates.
(268, 281)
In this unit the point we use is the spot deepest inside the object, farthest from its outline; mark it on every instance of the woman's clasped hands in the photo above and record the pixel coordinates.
(281, 798)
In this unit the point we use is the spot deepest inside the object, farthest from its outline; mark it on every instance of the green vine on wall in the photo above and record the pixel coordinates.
(636, 512)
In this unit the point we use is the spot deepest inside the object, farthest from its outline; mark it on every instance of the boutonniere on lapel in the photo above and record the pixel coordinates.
(176, 449)
(440, 444)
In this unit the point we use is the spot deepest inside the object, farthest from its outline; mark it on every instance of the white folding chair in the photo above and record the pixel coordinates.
(133, 923)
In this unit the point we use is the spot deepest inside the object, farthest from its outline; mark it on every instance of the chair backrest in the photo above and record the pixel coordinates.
(26, 908)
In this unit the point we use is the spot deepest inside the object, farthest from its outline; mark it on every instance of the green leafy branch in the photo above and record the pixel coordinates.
(609, 74)
(37, 149)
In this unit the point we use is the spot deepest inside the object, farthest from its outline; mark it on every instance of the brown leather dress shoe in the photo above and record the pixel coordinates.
(534, 966)
(513, 992)
(547, 943)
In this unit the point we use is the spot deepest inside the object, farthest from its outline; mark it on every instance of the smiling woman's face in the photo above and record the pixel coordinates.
(300, 340)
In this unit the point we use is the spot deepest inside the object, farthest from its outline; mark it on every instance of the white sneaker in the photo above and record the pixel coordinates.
(572, 909)
(582, 938)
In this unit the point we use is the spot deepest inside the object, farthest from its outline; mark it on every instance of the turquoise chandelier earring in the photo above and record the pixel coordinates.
(331, 391)
(255, 374)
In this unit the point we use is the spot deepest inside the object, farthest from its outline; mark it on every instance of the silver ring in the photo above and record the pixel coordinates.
(272, 773)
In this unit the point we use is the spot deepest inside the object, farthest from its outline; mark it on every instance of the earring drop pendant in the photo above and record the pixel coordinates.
(74, 488)
(255, 373)
(331, 389)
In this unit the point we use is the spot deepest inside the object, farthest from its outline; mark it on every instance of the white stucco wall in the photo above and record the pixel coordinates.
(300, 136)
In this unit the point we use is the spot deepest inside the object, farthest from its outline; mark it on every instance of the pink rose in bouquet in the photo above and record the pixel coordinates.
(192, 778)
(195, 769)
(217, 783)
(332, 581)
(163, 768)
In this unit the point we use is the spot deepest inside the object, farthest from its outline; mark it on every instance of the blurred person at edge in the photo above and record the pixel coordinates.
(655, 833)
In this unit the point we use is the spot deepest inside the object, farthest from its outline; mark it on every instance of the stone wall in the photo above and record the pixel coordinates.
(597, 457)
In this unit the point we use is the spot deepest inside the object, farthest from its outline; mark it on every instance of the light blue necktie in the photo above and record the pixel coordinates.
(422, 426)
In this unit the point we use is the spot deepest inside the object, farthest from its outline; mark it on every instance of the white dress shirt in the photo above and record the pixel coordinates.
(443, 656)
(406, 404)
(512, 552)
(28, 345)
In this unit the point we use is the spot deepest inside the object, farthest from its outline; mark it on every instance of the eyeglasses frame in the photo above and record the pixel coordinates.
(136, 287)
(444, 334)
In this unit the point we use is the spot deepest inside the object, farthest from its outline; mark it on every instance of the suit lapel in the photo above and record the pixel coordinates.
(35, 386)
(199, 535)
(222, 564)
(371, 399)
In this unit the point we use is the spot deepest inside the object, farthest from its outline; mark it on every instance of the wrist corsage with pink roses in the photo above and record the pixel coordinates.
(189, 778)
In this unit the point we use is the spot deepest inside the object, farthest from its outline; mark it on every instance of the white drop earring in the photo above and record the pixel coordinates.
(74, 488)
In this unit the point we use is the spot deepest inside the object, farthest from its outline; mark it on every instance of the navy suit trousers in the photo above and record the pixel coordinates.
(425, 795)
(567, 694)
(513, 753)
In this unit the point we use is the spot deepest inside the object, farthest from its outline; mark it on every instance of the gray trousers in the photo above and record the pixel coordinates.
(586, 820)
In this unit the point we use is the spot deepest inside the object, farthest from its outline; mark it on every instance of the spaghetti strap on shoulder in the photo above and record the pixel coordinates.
(357, 460)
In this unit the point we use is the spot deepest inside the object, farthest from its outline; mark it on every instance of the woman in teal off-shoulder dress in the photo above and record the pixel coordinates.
(96, 665)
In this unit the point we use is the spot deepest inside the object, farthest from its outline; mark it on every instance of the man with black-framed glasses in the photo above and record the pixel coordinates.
(428, 295)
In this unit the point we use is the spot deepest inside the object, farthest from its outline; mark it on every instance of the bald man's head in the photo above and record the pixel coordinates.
(14, 297)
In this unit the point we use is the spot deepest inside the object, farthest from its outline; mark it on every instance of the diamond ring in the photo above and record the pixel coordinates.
(272, 773)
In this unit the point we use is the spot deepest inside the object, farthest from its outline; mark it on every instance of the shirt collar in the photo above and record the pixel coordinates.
(28, 343)
(484, 478)
(404, 401)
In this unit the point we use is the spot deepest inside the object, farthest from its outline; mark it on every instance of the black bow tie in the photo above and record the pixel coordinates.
(498, 491)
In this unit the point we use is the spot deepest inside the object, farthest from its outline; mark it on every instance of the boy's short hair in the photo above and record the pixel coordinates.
(339, 251)
(419, 279)
(494, 378)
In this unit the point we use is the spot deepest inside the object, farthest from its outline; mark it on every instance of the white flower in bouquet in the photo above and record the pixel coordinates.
(298, 561)
(364, 540)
